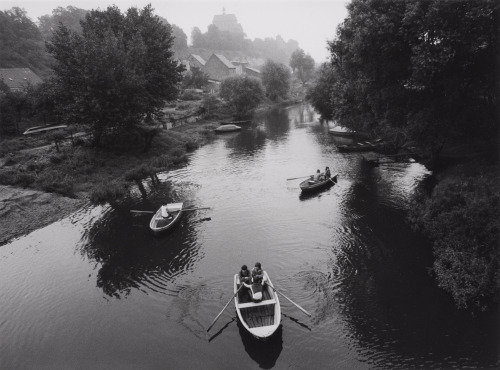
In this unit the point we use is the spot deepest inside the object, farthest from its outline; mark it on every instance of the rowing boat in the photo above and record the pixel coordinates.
(262, 318)
(341, 131)
(227, 128)
(166, 217)
(309, 185)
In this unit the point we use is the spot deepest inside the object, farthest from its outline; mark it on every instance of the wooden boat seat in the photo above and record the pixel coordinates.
(251, 304)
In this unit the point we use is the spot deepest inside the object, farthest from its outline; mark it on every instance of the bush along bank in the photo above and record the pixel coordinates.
(460, 216)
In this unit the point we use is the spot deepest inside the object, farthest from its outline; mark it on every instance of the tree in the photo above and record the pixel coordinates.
(180, 38)
(197, 38)
(69, 16)
(21, 42)
(276, 80)
(302, 65)
(117, 73)
(243, 93)
(195, 78)
(319, 94)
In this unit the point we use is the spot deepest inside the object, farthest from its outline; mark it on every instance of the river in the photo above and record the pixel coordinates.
(98, 290)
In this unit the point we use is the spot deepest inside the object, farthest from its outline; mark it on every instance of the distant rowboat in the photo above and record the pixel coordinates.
(311, 185)
(236, 122)
(166, 217)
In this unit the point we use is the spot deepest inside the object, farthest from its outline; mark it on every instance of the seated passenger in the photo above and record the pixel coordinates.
(327, 173)
(316, 176)
(245, 277)
(257, 274)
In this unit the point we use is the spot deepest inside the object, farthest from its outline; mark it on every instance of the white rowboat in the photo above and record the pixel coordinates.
(260, 319)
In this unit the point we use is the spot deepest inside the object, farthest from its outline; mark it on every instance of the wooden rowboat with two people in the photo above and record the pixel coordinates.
(258, 307)
(166, 217)
(309, 185)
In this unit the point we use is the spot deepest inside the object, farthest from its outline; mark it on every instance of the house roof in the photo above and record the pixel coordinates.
(253, 69)
(199, 59)
(19, 78)
(224, 60)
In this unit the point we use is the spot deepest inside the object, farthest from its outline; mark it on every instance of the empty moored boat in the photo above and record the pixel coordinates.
(227, 128)
(166, 217)
(261, 319)
(341, 131)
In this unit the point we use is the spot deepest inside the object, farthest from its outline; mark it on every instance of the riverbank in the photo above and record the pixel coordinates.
(40, 185)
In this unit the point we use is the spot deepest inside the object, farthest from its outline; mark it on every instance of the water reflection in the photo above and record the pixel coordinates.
(276, 123)
(130, 257)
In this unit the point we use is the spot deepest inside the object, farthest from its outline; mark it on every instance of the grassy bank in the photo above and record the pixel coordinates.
(78, 170)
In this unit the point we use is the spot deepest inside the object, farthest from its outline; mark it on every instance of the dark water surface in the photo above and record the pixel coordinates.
(97, 290)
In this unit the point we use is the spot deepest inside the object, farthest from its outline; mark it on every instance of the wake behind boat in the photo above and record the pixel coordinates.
(166, 217)
(262, 318)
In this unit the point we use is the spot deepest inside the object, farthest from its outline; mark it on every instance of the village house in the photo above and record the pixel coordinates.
(252, 72)
(194, 61)
(18, 79)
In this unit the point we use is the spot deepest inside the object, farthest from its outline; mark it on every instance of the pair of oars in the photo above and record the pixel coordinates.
(303, 177)
(234, 295)
(183, 210)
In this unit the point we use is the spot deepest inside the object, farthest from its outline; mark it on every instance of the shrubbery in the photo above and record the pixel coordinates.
(461, 217)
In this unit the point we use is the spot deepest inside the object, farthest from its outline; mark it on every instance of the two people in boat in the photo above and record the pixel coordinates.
(256, 276)
(318, 176)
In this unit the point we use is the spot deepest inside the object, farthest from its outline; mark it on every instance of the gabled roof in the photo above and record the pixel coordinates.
(19, 78)
(253, 69)
(199, 59)
(224, 60)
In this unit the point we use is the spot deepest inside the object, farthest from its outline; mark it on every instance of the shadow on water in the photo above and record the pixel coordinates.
(247, 142)
(131, 257)
(264, 352)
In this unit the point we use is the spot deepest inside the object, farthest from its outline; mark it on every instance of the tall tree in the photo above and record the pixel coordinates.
(70, 17)
(276, 80)
(302, 65)
(118, 71)
(243, 93)
(21, 43)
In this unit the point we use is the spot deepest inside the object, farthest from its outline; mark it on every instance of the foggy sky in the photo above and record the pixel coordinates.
(311, 23)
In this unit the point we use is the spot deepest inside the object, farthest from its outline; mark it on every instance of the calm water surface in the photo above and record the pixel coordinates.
(97, 290)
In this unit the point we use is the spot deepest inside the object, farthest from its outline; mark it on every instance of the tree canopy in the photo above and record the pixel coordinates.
(276, 80)
(117, 72)
(302, 65)
(21, 42)
(243, 93)
(421, 71)
(69, 16)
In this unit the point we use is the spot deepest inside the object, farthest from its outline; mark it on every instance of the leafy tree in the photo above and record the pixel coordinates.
(69, 16)
(302, 65)
(276, 80)
(195, 78)
(320, 92)
(243, 93)
(21, 43)
(119, 71)
(197, 38)
(180, 38)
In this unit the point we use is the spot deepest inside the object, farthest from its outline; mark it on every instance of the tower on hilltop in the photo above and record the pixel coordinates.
(227, 22)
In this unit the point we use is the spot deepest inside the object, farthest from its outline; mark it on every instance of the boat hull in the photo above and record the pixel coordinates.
(227, 128)
(159, 224)
(261, 319)
(308, 187)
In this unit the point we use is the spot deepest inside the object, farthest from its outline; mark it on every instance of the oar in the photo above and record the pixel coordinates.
(331, 178)
(227, 304)
(187, 209)
(295, 304)
(295, 178)
(195, 209)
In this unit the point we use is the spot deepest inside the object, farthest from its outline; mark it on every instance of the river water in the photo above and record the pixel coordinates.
(97, 290)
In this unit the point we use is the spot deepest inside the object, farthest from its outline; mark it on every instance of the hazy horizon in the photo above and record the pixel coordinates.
(311, 23)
